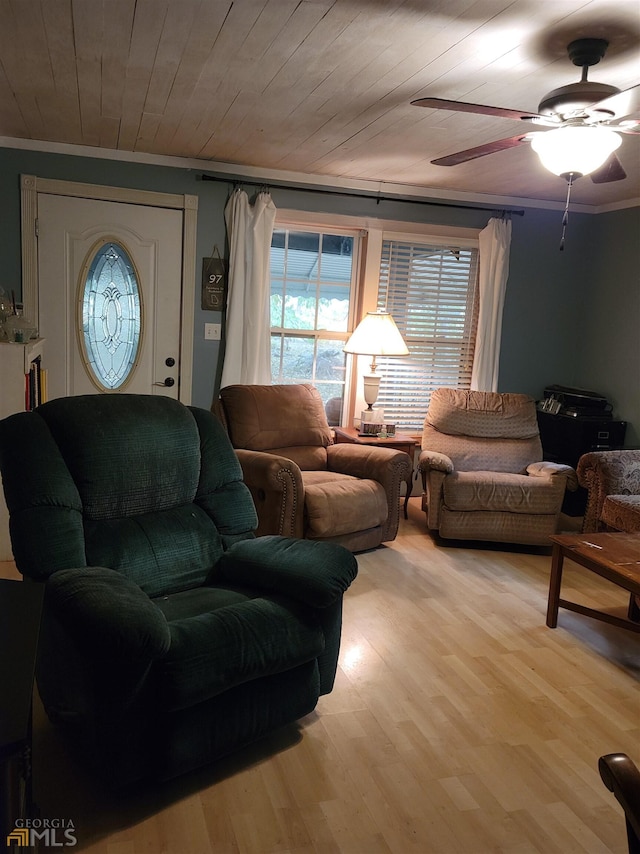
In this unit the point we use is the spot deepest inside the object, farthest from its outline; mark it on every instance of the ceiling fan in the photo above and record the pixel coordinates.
(584, 121)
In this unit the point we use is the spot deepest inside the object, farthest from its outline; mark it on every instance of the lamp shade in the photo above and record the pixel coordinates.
(575, 150)
(376, 335)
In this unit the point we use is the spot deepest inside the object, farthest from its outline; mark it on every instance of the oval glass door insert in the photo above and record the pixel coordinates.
(111, 315)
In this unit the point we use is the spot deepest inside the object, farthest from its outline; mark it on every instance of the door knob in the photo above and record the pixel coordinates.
(168, 382)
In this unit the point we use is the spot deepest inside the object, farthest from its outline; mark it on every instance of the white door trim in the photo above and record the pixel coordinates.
(31, 185)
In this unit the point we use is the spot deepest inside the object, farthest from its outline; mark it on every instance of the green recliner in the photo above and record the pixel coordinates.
(171, 634)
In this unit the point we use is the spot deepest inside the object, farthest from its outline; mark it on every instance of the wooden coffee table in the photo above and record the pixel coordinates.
(615, 556)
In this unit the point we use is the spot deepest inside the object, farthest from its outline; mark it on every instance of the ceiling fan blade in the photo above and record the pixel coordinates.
(621, 105)
(483, 109)
(481, 150)
(611, 170)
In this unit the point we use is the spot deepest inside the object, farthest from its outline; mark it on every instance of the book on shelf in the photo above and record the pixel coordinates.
(35, 385)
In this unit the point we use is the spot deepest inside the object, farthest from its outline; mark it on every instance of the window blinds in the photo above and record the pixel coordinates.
(430, 291)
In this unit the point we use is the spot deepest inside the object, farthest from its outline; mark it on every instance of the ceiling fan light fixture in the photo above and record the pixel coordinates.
(575, 150)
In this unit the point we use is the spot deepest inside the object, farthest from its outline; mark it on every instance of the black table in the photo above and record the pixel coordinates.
(20, 610)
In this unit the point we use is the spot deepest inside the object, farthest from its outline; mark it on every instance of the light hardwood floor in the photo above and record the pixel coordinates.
(459, 723)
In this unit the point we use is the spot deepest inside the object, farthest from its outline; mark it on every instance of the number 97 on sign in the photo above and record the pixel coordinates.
(214, 284)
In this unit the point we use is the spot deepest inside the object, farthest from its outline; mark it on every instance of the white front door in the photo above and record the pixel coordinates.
(70, 231)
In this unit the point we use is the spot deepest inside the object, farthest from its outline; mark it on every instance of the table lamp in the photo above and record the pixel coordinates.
(375, 335)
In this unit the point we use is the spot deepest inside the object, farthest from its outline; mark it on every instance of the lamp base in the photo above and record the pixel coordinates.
(371, 386)
(372, 416)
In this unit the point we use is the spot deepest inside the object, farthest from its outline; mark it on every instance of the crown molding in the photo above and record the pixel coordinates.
(237, 172)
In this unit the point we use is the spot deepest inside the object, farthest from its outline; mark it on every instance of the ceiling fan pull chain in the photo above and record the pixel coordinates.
(565, 218)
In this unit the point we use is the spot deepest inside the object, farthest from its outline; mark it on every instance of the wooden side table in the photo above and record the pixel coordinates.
(399, 442)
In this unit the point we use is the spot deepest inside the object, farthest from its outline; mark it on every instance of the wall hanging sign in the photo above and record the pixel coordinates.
(214, 282)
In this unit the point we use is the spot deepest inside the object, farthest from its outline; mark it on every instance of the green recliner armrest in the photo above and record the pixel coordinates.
(314, 573)
(110, 614)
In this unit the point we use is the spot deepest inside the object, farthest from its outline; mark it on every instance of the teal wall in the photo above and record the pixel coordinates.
(570, 317)
(608, 346)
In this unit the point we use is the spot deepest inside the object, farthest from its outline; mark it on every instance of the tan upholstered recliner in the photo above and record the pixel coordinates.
(482, 470)
(302, 484)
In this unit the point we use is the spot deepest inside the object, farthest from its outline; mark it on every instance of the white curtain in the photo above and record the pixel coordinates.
(495, 243)
(247, 357)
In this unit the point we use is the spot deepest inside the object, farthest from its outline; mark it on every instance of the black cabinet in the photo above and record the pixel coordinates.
(566, 438)
(20, 607)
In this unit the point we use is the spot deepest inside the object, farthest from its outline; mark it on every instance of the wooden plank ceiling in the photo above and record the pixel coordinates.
(320, 87)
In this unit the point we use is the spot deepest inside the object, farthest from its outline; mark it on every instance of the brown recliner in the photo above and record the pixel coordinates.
(304, 485)
(482, 470)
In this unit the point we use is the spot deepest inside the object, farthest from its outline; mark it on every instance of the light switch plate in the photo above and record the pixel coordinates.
(212, 331)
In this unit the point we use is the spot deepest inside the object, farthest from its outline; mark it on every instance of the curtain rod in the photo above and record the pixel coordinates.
(356, 195)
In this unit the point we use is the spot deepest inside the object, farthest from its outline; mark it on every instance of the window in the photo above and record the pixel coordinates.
(111, 317)
(328, 270)
(312, 286)
(430, 290)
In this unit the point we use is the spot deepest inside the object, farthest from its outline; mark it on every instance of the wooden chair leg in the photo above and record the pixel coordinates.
(621, 776)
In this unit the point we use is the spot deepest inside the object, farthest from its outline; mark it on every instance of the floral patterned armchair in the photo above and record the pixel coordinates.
(612, 479)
